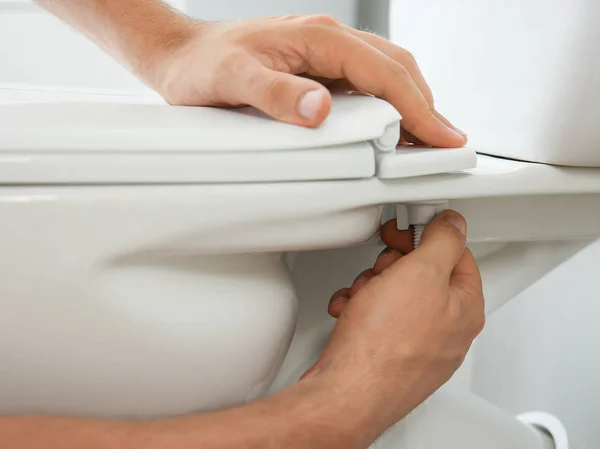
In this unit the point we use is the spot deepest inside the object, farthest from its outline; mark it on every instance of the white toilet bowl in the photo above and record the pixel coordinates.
(142, 244)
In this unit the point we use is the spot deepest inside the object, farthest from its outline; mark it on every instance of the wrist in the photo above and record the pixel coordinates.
(384, 395)
(147, 38)
(329, 414)
(159, 45)
(365, 401)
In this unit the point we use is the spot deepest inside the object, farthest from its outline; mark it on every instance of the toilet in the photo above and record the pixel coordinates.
(147, 248)
(162, 260)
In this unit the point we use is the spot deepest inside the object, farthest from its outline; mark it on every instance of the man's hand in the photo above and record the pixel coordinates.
(271, 63)
(254, 62)
(406, 325)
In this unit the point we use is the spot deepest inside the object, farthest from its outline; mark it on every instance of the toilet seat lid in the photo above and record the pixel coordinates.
(69, 136)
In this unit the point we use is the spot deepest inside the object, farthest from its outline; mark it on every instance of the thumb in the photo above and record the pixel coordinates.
(287, 98)
(444, 241)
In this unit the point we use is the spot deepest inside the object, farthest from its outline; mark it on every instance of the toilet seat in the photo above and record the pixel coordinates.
(69, 137)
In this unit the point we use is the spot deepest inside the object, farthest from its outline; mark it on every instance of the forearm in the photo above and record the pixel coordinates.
(303, 417)
(135, 32)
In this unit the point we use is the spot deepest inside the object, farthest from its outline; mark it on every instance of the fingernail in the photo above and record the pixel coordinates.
(383, 253)
(460, 131)
(458, 222)
(338, 299)
(310, 104)
(361, 278)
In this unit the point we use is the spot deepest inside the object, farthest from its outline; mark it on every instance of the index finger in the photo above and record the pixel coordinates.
(396, 239)
(335, 53)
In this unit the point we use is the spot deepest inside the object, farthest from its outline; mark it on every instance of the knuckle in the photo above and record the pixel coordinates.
(408, 56)
(479, 324)
(273, 92)
(479, 318)
(430, 100)
(428, 94)
(472, 313)
(459, 359)
(453, 357)
(292, 17)
(395, 71)
(322, 20)
(274, 88)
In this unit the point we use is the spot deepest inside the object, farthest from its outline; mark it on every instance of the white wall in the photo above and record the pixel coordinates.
(542, 350)
(37, 48)
(344, 10)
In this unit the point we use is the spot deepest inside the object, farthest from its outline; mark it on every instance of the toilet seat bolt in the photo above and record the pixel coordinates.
(417, 233)
(419, 214)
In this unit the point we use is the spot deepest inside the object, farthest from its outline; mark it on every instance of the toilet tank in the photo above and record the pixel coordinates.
(521, 77)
